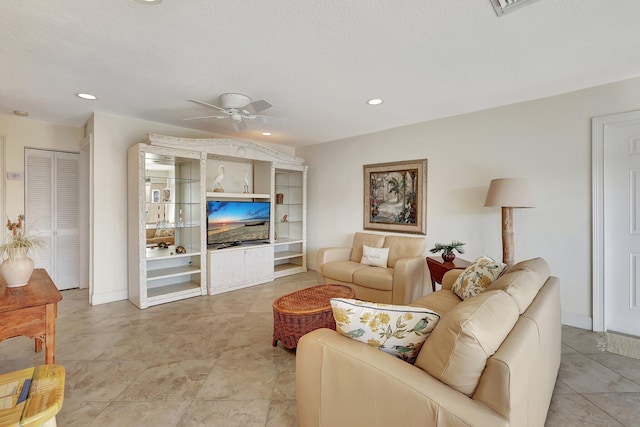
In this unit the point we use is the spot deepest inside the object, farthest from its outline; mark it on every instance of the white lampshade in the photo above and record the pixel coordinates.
(509, 192)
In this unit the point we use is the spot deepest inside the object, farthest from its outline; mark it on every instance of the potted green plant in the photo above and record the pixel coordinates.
(447, 250)
(16, 269)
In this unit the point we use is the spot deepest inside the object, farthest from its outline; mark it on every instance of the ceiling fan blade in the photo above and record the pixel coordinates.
(268, 119)
(239, 125)
(257, 106)
(205, 117)
(206, 104)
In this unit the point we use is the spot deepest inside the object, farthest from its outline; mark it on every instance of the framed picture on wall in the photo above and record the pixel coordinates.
(395, 196)
(155, 196)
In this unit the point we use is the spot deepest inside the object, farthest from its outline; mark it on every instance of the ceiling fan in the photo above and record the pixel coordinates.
(237, 108)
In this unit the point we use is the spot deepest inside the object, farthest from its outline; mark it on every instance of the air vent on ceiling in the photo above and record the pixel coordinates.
(506, 6)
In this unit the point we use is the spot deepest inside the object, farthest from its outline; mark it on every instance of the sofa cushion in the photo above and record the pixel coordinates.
(536, 265)
(477, 277)
(398, 330)
(441, 302)
(403, 247)
(361, 239)
(457, 350)
(374, 278)
(342, 270)
(376, 257)
(523, 281)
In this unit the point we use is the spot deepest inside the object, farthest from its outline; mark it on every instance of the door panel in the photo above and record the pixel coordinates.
(622, 227)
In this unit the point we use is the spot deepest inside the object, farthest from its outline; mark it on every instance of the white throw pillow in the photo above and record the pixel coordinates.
(477, 277)
(399, 330)
(376, 257)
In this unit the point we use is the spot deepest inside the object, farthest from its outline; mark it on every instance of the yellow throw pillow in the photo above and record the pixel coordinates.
(398, 330)
(477, 277)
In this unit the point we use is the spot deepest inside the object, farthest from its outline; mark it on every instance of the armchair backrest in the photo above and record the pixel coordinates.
(361, 239)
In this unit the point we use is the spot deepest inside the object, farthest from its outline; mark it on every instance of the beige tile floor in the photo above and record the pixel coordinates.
(208, 361)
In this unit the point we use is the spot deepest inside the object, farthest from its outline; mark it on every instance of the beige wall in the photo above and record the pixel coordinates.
(547, 141)
(20, 132)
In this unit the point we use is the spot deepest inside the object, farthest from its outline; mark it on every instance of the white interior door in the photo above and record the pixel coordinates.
(51, 208)
(622, 227)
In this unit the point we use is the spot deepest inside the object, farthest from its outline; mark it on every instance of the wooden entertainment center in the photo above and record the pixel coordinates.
(170, 182)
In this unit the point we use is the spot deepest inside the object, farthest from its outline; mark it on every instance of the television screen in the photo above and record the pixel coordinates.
(237, 222)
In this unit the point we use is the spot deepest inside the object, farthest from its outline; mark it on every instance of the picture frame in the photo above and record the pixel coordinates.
(166, 195)
(395, 196)
(155, 196)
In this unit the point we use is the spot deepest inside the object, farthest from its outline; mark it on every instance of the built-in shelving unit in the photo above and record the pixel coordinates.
(290, 212)
(166, 214)
(175, 177)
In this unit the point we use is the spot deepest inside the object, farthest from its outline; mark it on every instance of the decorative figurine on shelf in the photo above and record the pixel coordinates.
(447, 250)
(285, 218)
(217, 182)
(245, 186)
(180, 250)
(180, 220)
(163, 245)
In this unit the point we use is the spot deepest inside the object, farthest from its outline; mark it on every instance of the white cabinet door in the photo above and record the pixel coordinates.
(226, 268)
(237, 268)
(258, 263)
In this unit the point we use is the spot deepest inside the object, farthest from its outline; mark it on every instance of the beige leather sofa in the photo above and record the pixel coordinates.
(401, 282)
(343, 382)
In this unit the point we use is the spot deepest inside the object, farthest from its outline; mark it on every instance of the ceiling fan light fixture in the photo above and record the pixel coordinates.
(375, 101)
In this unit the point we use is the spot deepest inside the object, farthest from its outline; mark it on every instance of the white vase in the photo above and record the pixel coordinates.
(17, 269)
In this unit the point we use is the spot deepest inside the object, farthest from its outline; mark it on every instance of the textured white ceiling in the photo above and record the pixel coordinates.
(317, 62)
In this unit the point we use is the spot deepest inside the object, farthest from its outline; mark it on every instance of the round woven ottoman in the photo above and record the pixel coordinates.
(303, 311)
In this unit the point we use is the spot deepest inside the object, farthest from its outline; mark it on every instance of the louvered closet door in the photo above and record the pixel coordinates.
(51, 199)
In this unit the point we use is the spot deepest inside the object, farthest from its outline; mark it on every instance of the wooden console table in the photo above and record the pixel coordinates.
(31, 311)
(437, 268)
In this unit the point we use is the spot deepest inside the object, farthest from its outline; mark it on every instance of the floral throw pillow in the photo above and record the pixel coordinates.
(395, 329)
(477, 277)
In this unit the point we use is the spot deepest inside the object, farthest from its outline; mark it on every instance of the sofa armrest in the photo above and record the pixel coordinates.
(342, 382)
(408, 280)
(327, 255)
(450, 277)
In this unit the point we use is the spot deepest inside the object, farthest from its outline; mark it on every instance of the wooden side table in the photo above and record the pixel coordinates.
(31, 311)
(437, 268)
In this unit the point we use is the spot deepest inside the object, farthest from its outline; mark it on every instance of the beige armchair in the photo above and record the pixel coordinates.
(401, 281)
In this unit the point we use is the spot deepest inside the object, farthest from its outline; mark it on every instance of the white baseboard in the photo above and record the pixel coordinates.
(107, 297)
(577, 320)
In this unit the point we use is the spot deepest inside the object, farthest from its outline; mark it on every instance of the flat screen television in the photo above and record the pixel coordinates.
(232, 223)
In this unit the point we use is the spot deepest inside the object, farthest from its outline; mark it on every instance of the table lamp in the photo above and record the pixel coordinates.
(508, 193)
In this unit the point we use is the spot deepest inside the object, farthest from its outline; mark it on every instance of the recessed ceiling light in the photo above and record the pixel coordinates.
(21, 113)
(149, 1)
(375, 101)
(86, 96)
(266, 133)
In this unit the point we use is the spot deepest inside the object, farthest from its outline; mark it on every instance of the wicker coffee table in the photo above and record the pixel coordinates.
(303, 311)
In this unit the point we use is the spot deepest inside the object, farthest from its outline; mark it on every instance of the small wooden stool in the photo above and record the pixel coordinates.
(303, 311)
(33, 396)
